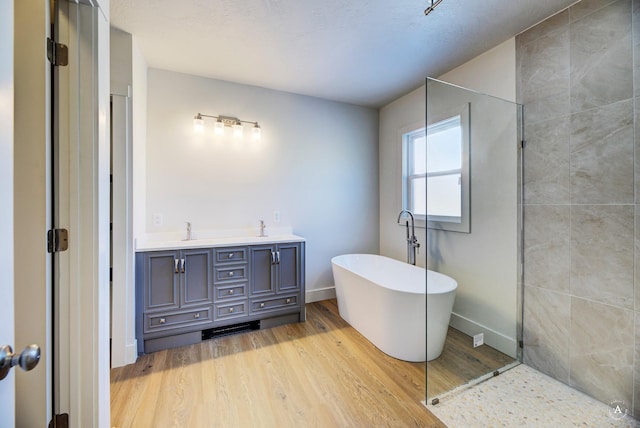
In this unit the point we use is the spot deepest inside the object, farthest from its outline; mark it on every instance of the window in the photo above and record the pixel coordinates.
(444, 170)
(436, 172)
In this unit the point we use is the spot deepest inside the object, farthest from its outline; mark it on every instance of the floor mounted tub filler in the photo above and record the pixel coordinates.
(385, 300)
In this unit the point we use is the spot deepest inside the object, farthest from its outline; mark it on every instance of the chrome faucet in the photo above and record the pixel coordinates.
(412, 241)
(188, 231)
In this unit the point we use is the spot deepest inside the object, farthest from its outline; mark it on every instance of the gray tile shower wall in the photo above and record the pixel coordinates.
(578, 77)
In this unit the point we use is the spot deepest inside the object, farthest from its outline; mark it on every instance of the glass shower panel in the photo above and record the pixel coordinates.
(484, 257)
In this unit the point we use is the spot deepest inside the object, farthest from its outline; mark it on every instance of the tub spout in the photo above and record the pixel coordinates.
(412, 242)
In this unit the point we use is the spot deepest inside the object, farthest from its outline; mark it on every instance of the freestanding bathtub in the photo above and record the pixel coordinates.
(384, 299)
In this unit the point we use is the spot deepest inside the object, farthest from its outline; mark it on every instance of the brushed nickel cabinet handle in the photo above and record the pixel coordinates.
(288, 300)
(231, 309)
(162, 320)
(262, 305)
(231, 273)
(230, 255)
(230, 291)
(184, 264)
(175, 265)
(196, 316)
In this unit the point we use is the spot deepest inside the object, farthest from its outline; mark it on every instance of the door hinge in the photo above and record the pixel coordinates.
(60, 421)
(57, 53)
(57, 240)
(523, 144)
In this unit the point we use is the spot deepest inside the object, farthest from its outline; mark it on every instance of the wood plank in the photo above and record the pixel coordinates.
(461, 363)
(320, 373)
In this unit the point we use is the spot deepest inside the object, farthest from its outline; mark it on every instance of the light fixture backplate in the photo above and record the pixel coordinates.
(228, 120)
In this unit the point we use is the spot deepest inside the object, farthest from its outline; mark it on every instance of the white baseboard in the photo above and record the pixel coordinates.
(320, 294)
(127, 356)
(132, 352)
(496, 340)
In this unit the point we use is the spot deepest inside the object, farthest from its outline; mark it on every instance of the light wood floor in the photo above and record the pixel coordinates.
(320, 373)
(461, 363)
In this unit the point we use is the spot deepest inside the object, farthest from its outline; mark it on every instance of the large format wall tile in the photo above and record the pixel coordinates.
(636, 374)
(546, 332)
(547, 247)
(583, 66)
(546, 173)
(550, 27)
(635, 24)
(637, 261)
(602, 347)
(602, 150)
(601, 57)
(602, 253)
(636, 164)
(587, 7)
(543, 74)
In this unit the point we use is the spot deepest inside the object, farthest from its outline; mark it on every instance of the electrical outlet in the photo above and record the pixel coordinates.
(276, 216)
(157, 219)
(478, 340)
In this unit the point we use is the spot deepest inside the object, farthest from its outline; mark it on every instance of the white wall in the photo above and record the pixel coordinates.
(491, 73)
(139, 119)
(317, 164)
(492, 288)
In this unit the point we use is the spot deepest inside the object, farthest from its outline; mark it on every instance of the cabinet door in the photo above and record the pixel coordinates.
(262, 270)
(289, 268)
(195, 277)
(161, 282)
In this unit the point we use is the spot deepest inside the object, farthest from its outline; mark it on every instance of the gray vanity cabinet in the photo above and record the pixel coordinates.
(174, 294)
(276, 276)
(230, 278)
(185, 296)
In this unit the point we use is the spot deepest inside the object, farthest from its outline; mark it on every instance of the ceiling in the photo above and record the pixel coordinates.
(364, 52)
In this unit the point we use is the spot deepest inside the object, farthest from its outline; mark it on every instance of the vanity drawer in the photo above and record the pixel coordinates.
(274, 303)
(229, 310)
(231, 291)
(233, 254)
(168, 320)
(222, 274)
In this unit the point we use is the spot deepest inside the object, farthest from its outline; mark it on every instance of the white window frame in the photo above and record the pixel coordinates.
(409, 177)
(416, 130)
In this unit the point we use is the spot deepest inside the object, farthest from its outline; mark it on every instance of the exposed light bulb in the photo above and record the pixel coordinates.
(256, 131)
(218, 127)
(198, 124)
(237, 130)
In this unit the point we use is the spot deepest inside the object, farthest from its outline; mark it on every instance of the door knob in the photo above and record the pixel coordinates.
(27, 359)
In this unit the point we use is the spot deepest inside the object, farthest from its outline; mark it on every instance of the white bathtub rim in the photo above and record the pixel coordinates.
(437, 283)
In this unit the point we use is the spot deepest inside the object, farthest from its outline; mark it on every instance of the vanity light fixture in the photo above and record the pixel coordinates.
(225, 121)
(433, 4)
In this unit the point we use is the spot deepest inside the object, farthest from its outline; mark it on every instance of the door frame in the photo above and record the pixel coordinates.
(84, 198)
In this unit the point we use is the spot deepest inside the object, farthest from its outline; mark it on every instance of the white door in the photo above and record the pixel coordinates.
(7, 386)
(30, 195)
(82, 384)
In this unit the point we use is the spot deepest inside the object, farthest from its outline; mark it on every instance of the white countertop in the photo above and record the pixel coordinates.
(153, 245)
